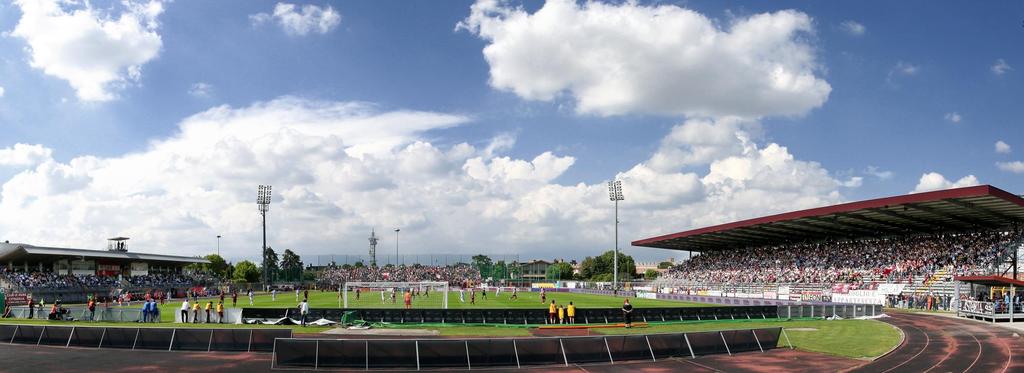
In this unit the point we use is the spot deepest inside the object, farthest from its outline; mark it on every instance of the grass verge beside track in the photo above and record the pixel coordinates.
(858, 339)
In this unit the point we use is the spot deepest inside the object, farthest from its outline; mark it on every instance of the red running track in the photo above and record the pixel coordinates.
(945, 344)
(932, 344)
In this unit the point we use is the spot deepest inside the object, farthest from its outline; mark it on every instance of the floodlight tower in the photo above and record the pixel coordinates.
(263, 200)
(615, 195)
(373, 248)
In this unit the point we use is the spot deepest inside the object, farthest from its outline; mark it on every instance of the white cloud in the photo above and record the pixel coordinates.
(302, 20)
(901, 69)
(96, 52)
(905, 68)
(24, 155)
(2, 91)
(629, 58)
(334, 180)
(1016, 167)
(953, 117)
(1000, 67)
(853, 28)
(201, 90)
(1002, 147)
(935, 181)
(879, 173)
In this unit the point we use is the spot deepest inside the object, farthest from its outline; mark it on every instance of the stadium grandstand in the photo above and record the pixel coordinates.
(898, 251)
(70, 274)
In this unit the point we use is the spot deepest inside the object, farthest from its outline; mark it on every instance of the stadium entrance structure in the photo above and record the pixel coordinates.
(440, 288)
(944, 213)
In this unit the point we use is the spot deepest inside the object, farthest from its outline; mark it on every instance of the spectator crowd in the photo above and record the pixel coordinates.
(456, 275)
(51, 280)
(897, 260)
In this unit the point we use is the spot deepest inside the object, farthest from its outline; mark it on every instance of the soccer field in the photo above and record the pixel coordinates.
(526, 300)
(326, 299)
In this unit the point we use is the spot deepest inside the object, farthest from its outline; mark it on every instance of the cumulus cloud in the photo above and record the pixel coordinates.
(953, 117)
(97, 52)
(24, 155)
(302, 20)
(201, 90)
(628, 58)
(1016, 167)
(1002, 147)
(334, 180)
(2, 91)
(878, 172)
(935, 181)
(1000, 67)
(853, 28)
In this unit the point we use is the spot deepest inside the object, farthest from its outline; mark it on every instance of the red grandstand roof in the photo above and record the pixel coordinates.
(990, 280)
(982, 206)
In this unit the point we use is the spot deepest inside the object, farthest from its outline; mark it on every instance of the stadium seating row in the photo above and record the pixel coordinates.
(168, 339)
(514, 316)
(290, 353)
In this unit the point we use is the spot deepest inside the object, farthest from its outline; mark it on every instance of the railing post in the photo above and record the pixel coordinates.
(758, 340)
(609, 349)
(725, 343)
(70, 336)
(688, 346)
(516, 350)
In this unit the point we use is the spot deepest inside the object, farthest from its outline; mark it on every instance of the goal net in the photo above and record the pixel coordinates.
(424, 294)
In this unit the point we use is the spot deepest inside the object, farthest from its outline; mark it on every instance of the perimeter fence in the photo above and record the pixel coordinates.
(167, 339)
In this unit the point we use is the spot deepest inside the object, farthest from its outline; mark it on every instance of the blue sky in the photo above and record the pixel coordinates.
(913, 88)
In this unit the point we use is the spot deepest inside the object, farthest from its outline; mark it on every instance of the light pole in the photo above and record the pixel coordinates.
(396, 246)
(218, 245)
(263, 200)
(615, 195)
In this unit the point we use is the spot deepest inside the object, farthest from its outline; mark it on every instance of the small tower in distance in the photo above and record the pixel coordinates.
(373, 248)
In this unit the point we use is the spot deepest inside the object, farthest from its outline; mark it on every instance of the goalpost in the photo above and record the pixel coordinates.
(399, 286)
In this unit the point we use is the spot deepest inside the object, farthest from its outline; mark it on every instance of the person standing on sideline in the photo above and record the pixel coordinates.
(357, 294)
(209, 307)
(273, 295)
(561, 314)
(184, 310)
(408, 300)
(296, 293)
(627, 313)
(462, 295)
(92, 309)
(571, 313)
(304, 311)
(250, 298)
(195, 313)
(220, 312)
(234, 298)
(472, 296)
(552, 312)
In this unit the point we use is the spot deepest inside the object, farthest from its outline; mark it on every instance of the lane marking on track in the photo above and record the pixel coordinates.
(695, 363)
(948, 354)
(927, 341)
(976, 358)
(1009, 355)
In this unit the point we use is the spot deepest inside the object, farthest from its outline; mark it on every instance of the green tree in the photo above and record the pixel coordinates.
(483, 264)
(500, 270)
(272, 267)
(559, 271)
(359, 264)
(246, 271)
(665, 265)
(651, 274)
(291, 266)
(592, 267)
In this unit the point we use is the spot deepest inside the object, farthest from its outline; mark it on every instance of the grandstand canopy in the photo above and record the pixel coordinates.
(18, 252)
(976, 207)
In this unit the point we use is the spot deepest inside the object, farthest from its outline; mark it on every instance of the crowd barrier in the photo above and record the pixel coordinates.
(846, 311)
(519, 316)
(168, 339)
(316, 354)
